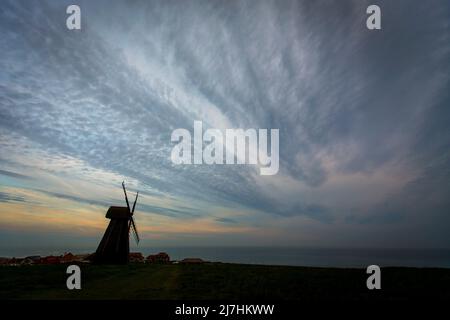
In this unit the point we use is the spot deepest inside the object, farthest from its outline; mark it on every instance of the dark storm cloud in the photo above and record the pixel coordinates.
(75, 198)
(8, 197)
(14, 174)
(226, 220)
(175, 213)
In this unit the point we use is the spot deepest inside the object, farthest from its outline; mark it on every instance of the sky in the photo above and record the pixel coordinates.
(363, 117)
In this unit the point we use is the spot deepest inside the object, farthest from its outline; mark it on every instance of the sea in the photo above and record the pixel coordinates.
(287, 256)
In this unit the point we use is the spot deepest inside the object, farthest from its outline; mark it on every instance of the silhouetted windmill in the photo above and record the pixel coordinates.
(114, 247)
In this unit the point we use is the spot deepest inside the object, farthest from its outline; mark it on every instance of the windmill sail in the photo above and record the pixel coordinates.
(125, 191)
(134, 204)
(135, 232)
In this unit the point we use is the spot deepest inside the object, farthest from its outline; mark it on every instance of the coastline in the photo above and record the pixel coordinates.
(287, 256)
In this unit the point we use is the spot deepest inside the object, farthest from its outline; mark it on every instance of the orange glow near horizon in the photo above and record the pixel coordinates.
(43, 213)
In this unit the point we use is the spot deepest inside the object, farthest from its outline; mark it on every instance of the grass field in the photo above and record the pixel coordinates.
(221, 281)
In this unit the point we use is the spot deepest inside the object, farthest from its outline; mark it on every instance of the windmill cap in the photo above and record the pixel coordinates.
(118, 213)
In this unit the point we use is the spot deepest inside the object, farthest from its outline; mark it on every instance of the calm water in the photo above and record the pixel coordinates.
(318, 257)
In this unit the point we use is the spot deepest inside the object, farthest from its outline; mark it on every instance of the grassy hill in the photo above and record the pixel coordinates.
(220, 281)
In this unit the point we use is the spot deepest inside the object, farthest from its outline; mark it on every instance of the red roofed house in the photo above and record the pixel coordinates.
(136, 257)
(51, 260)
(68, 258)
(161, 257)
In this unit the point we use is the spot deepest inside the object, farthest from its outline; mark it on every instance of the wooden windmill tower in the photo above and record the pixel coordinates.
(114, 248)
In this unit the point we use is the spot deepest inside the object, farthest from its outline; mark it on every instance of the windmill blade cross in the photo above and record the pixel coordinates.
(135, 232)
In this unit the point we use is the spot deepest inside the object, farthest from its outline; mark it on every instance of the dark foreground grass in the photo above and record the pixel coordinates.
(222, 281)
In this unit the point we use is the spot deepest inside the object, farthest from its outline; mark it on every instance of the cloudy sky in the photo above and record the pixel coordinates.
(364, 120)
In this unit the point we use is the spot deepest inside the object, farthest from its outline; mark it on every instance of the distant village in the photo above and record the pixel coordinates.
(69, 258)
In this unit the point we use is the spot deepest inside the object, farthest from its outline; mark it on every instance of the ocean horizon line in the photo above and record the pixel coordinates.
(294, 256)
